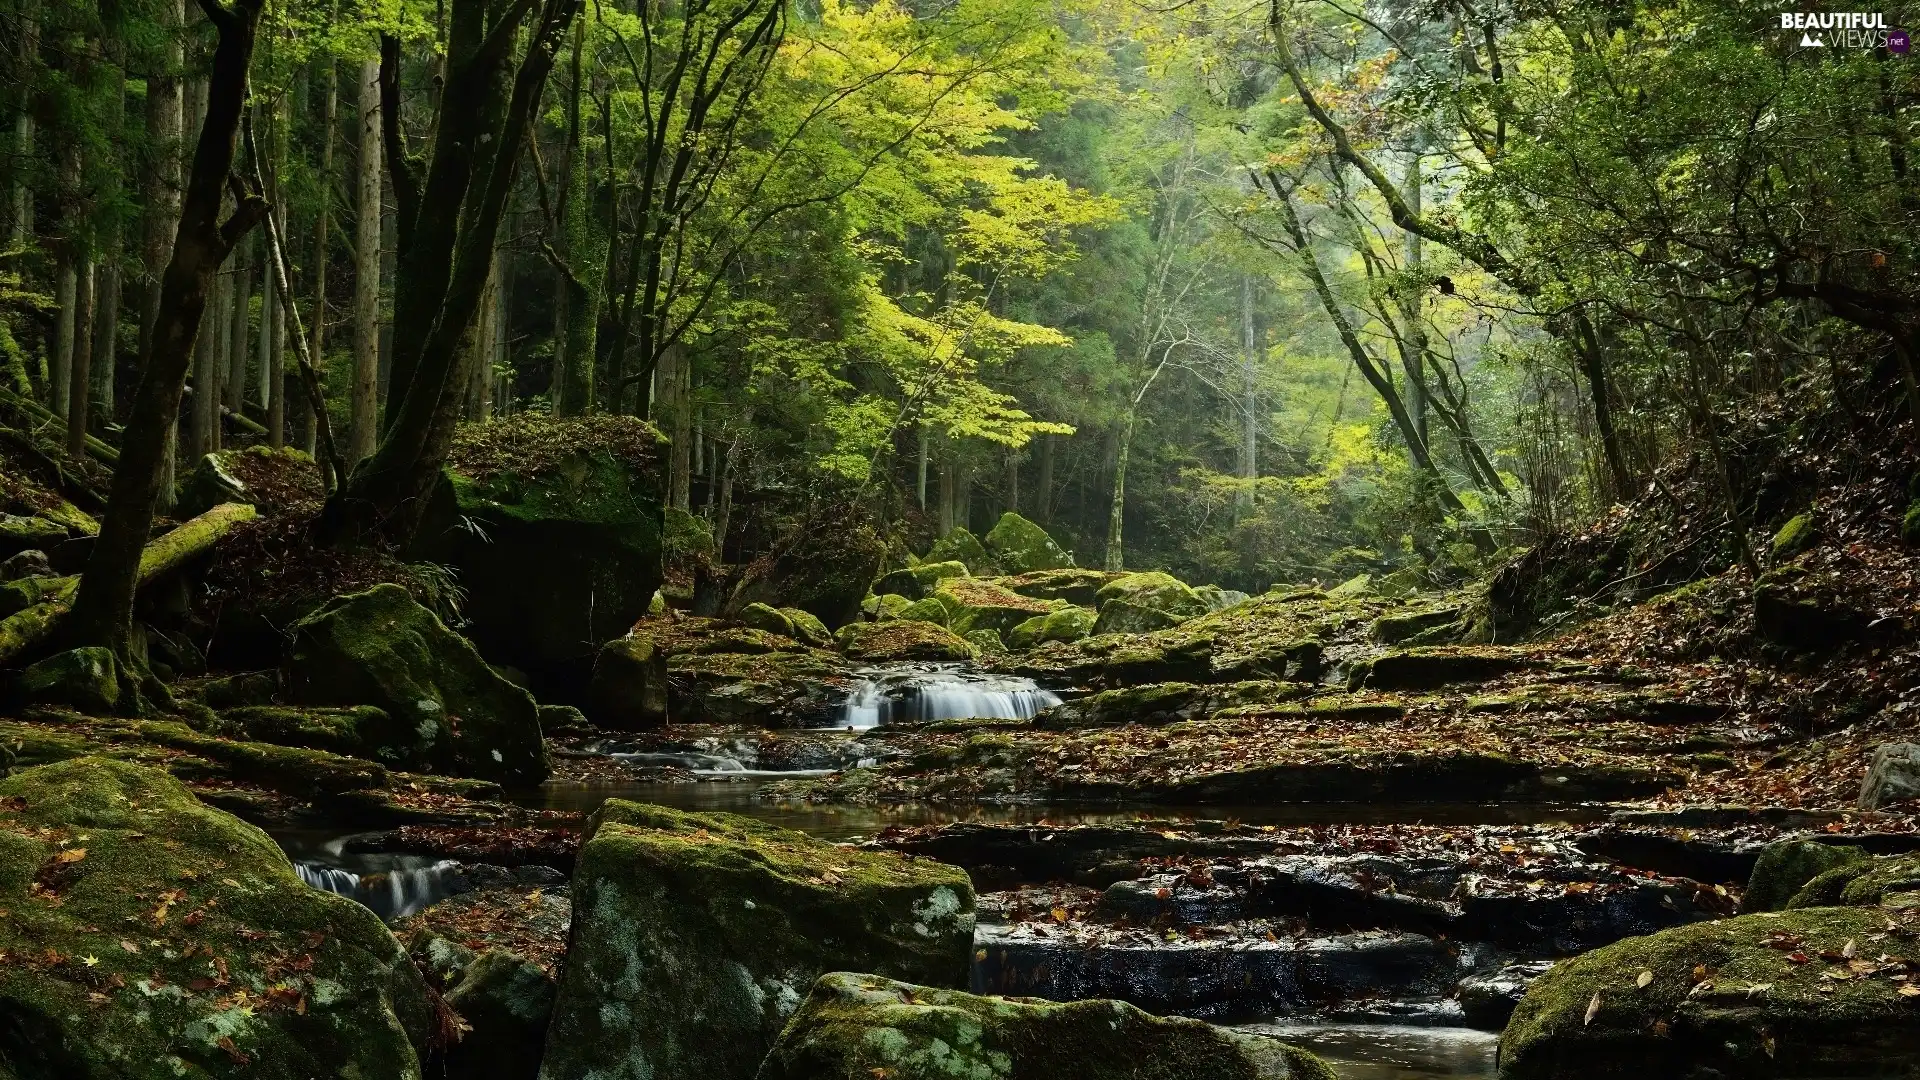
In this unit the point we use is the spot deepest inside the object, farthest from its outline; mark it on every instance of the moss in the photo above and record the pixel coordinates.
(683, 537)
(986, 641)
(628, 691)
(1066, 624)
(1426, 668)
(1752, 996)
(916, 582)
(1784, 867)
(926, 609)
(901, 639)
(977, 605)
(151, 937)
(1860, 882)
(88, 679)
(857, 1027)
(1910, 525)
(380, 648)
(361, 731)
(1796, 536)
(506, 1001)
(737, 918)
(1393, 629)
(962, 547)
(1018, 546)
(1355, 586)
(294, 770)
(807, 629)
(768, 619)
(1076, 586)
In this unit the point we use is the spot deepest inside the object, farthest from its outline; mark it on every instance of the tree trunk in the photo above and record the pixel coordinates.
(273, 366)
(162, 182)
(920, 486)
(79, 393)
(103, 607)
(1011, 482)
(1593, 364)
(1414, 358)
(60, 370)
(678, 423)
(1116, 510)
(946, 494)
(364, 424)
(27, 63)
(584, 251)
(1043, 484)
(105, 331)
(1249, 397)
(209, 360)
(234, 387)
(303, 420)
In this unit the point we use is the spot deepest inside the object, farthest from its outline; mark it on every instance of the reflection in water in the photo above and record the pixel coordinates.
(840, 822)
(1393, 1051)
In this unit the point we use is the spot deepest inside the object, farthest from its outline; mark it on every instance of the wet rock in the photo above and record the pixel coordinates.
(137, 918)
(925, 609)
(1893, 777)
(31, 563)
(1077, 586)
(563, 720)
(1189, 897)
(506, 1001)
(1018, 546)
(1561, 918)
(977, 605)
(917, 582)
(361, 731)
(1675, 852)
(1162, 703)
(737, 918)
(796, 688)
(857, 1027)
(1224, 974)
(1784, 868)
(1487, 1001)
(555, 527)
(1131, 665)
(1004, 856)
(901, 640)
(1066, 624)
(962, 547)
(381, 648)
(629, 687)
(88, 679)
(1754, 996)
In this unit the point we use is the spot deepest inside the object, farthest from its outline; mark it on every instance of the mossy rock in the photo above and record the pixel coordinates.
(1754, 996)
(380, 648)
(629, 687)
(770, 619)
(507, 1002)
(360, 731)
(825, 572)
(1785, 866)
(151, 937)
(88, 679)
(808, 630)
(1796, 536)
(1399, 627)
(901, 639)
(1863, 882)
(1910, 525)
(555, 527)
(1356, 586)
(792, 687)
(23, 533)
(684, 538)
(986, 642)
(916, 582)
(1075, 585)
(1066, 624)
(1793, 610)
(269, 480)
(1142, 602)
(1427, 668)
(859, 1027)
(978, 605)
(884, 606)
(696, 936)
(1219, 599)
(1018, 546)
(926, 609)
(962, 547)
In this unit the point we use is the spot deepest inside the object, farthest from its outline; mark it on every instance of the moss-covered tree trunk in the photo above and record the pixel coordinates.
(364, 404)
(103, 607)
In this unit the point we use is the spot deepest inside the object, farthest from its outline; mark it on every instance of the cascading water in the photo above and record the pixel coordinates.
(940, 692)
(392, 893)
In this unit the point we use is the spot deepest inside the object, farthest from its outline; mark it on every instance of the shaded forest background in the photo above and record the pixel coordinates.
(1253, 292)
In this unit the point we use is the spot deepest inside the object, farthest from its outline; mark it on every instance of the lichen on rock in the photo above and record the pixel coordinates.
(1018, 546)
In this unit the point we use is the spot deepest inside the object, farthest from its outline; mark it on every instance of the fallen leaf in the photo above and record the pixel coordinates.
(1645, 978)
(1593, 1008)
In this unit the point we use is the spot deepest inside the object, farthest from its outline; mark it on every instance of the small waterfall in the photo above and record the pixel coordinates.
(919, 694)
(391, 894)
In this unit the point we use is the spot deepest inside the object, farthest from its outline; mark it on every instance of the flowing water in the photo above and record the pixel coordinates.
(391, 886)
(1359, 1051)
(923, 692)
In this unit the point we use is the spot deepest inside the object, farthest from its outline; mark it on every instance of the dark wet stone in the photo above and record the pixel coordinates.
(1488, 1000)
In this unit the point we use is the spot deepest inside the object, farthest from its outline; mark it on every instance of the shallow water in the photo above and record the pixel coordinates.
(392, 886)
(922, 692)
(1393, 1051)
(840, 822)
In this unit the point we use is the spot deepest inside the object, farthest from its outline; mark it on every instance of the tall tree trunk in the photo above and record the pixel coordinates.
(920, 484)
(1249, 397)
(364, 426)
(27, 54)
(103, 608)
(1011, 481)
(1116, 509)
(327, 72)
(584, 255)
(234, 386)
(1414, 358)
(946, 493)
(676, 420)
(162, 181)
(273, 368)
(1593, 364)
(1043, 484)
(105, 331)
(60, 367)
(209, 360)
(79, 393)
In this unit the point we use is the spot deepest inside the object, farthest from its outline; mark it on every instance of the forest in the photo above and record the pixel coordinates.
(910, 539)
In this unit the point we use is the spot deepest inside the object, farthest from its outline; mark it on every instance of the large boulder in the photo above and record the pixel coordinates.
(380, 648)
(148, 936)
(1894, 776)
(507, 1003)
(1806, 993)
(901, 639)
(962, 547)
(88, 679)
(1784, 868)
(1138, 603)
(696, 936)
(824, 572)
(1018, 546)
(270, 480)
(1891, 881)
(978, 605)
(555, 529)
(915, 582)
(1066, 624)
(859, 1027)
(1074, 585)
(629, 687)
(795, 623)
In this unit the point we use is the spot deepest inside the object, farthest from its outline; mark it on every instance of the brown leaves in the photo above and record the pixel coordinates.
(1593, 1009)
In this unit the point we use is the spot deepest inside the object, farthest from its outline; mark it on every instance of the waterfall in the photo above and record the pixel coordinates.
(390, 894)
(925, 693)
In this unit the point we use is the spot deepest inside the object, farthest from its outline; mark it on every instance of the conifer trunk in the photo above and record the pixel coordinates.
(364, 423)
